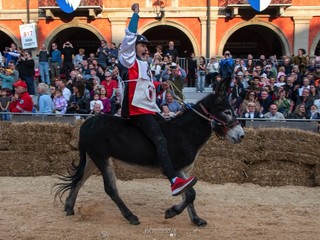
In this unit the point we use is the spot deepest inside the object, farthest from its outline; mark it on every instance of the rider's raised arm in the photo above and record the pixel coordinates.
(127, 54)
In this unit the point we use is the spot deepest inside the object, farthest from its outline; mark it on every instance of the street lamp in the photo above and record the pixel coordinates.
(158, 7)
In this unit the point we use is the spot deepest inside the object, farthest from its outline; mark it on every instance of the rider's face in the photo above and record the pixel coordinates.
(141, 50)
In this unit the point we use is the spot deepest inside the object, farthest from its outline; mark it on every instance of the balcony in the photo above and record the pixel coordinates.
(50, 9)
(231, 8)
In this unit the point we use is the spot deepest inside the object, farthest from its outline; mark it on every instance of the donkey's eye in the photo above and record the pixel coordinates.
(227, 112)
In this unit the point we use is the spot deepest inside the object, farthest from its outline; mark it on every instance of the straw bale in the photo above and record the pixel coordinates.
(41, 138)
(42, 127)
(275, 173)
(272, 157)
(60, 163)
(219, 170)
(75, 135)
(4, 145)
(48, 148)
(317, 174)
(23, 163)
(130, 173)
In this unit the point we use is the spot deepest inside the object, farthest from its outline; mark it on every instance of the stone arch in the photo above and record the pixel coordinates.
(179, 26)
(85, 26)
(315, 45)
(10, 35)
(284, 41)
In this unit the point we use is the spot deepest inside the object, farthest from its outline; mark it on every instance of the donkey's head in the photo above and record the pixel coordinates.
(217, 108)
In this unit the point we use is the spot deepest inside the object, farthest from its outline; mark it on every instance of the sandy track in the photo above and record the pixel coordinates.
(232, 211)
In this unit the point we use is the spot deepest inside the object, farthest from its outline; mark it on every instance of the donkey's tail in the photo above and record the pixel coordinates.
(75, 174)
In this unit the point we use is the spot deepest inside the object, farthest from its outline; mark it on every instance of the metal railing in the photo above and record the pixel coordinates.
(42, 117)
(303, 124)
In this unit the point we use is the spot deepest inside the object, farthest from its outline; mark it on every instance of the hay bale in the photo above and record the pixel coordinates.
(272, 157)
(60, 163)
(49, 148)
(219, 170)
(75, 135)
(275, 173)
(129, 173)
(26, 163)
(317, 175)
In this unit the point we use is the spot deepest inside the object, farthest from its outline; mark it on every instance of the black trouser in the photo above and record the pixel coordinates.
(151, 129)
(191, 78)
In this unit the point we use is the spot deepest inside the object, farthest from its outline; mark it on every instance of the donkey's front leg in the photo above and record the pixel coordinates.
(187, 198)
(194, 216)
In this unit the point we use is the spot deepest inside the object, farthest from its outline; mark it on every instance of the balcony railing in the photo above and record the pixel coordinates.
(89, 8)
(53, 3)
(225, 3)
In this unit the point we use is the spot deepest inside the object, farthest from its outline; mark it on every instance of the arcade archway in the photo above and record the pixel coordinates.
(169, 33)
(6, 41)
(79, 37)
(254, 39)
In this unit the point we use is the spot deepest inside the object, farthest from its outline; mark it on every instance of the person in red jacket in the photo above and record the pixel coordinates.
(21, 101)
(140, 99)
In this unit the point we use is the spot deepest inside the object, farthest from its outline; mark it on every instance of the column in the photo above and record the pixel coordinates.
(213, 36)
(118, 26)
(301, 33)
(203, 23)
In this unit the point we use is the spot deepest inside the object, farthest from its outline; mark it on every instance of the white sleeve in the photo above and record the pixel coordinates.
(101, 105)
(127, 55)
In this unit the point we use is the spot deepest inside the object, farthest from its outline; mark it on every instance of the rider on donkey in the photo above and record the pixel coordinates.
(139, 102)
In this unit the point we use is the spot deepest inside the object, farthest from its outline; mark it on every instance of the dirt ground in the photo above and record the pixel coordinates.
(246, 211)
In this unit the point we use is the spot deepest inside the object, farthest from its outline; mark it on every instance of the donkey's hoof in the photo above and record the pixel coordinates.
(134, 220)
(70, 212)
(200, 222)
(170, 213)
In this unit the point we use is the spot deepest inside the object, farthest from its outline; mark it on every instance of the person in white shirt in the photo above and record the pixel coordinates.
(212, 70)
(1, 60)
(252, 112)
(96, 101)
(273, 113)
(305, 84)
(65, 91)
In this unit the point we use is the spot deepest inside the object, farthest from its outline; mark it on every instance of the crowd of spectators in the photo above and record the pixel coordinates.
(73, 81)
(274, 88)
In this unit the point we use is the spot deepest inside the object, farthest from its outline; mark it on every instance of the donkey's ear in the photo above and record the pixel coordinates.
(222, 87)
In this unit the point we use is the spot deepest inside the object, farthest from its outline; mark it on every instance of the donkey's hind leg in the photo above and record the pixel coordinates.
(71, 199)
(109, 179)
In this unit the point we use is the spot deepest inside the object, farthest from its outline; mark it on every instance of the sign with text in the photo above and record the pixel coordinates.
(28, 36)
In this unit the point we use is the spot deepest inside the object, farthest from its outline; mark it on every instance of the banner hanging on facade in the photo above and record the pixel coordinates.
(259, 5)
(28, 36)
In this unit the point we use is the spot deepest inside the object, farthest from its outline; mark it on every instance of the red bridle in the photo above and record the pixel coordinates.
(216, 121)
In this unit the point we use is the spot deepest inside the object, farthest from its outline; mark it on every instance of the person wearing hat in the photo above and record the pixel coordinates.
(139, 102)
(7, 81)
(21, 101)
